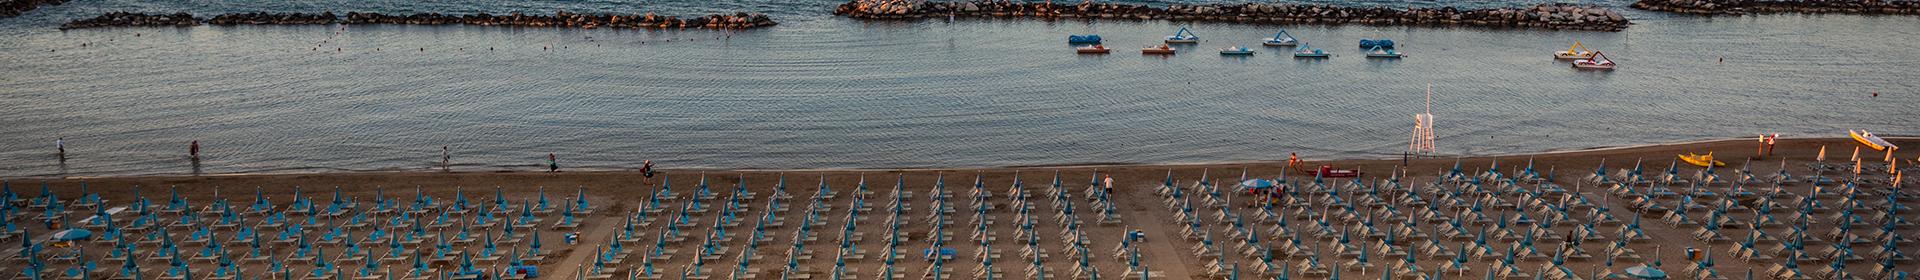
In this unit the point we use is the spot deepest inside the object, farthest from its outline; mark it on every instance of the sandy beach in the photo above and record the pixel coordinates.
(614, 195)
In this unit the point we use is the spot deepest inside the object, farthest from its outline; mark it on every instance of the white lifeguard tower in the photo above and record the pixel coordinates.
(1422, 142)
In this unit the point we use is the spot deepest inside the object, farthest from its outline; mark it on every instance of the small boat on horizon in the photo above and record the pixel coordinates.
(1598, 62)
(1163, 49)
(1236, 50)
(1281, 39)
(1083, 39)
(1576, 51)
(1307, 51)
(1705, 160)
(1871, 141)
(1183, 37)
(1094, 49)
(1378, 52)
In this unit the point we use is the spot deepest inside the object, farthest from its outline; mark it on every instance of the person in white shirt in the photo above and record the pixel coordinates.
(61, 145)
(1109, 184)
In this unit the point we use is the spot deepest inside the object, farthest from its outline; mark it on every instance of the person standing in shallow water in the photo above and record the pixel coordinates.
(446, 159)
(193, 150)
(60, 144)
(553, 163)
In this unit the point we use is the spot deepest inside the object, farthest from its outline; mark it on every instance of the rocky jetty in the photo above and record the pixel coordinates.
(559, 19)
(134, 19)
(11, 8)
(1549, 16)
(1742, 7)
(273, 19)
(565, 19)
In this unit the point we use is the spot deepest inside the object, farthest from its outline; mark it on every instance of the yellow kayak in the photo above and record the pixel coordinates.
(1871, 141)
(1702, 160)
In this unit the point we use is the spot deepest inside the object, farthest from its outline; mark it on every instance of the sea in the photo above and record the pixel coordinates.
(825, 92)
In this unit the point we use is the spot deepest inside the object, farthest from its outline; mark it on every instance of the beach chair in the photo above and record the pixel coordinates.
(1785, 272)
(1556, 272)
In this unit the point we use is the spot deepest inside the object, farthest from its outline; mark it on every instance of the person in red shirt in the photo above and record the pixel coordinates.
(1776, 136)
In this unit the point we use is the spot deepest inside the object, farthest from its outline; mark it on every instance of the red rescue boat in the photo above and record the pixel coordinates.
(1094, 49)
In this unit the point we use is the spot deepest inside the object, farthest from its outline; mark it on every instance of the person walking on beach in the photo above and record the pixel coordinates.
(193, 150)
(60, 144)
(1109, 185)
(553, 163)
(646, 171)
(1293, 160)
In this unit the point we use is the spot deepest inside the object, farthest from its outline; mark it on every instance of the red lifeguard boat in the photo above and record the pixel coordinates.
(1094, 49)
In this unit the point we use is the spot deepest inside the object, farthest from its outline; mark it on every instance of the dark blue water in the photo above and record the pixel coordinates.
(824, 92)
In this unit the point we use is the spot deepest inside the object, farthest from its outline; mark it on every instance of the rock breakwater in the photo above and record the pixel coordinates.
(1742, 7)
(558, 19)
(11, 8)
(1546, 16)
(134, 20)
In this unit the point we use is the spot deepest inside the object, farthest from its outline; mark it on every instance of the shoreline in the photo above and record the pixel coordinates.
(1708, 144)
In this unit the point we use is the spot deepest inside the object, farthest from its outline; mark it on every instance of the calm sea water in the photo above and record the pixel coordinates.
(826, 92)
